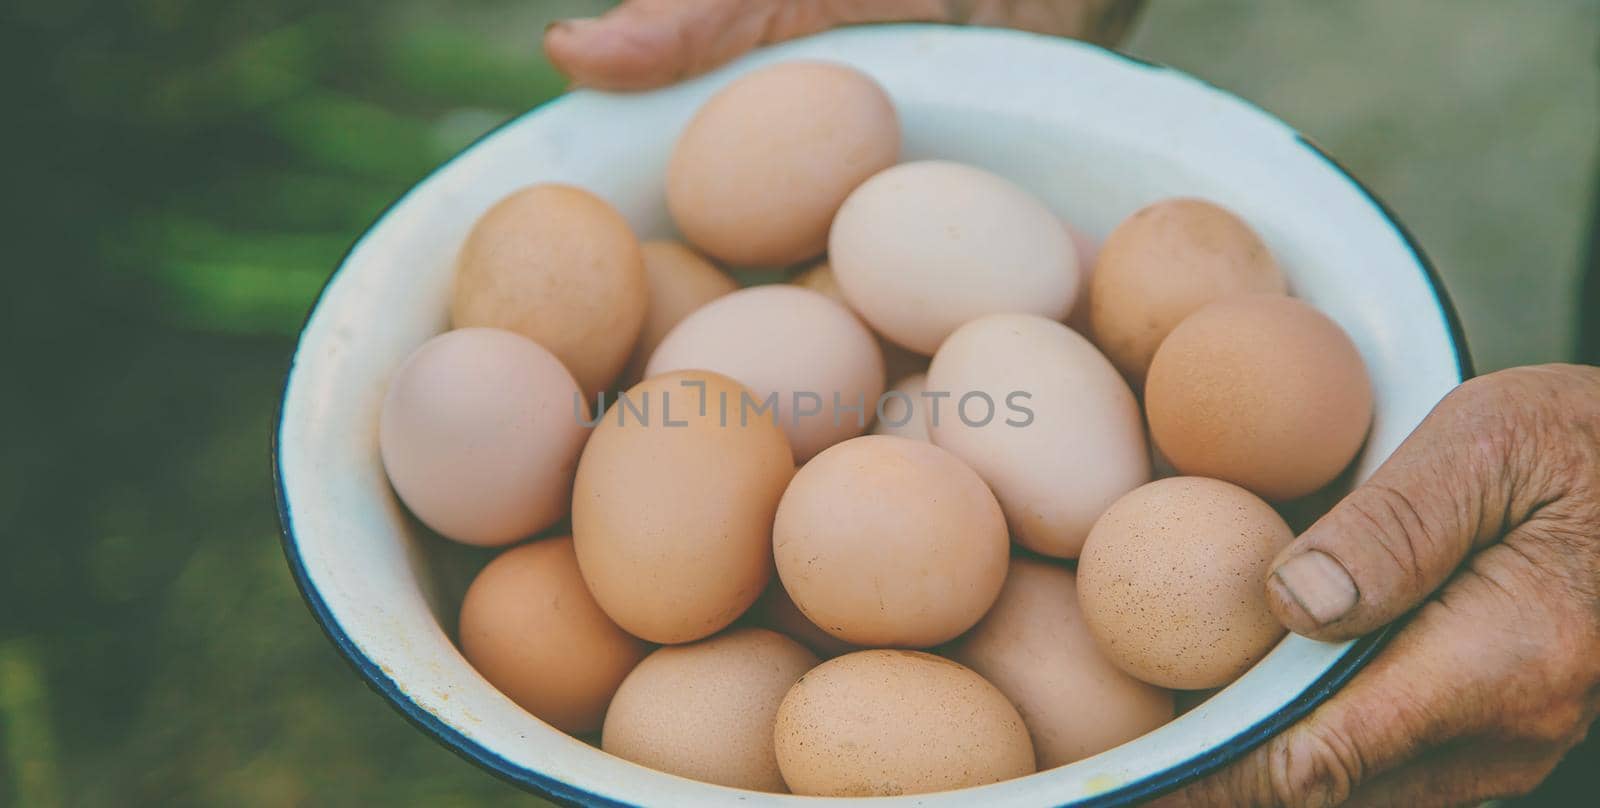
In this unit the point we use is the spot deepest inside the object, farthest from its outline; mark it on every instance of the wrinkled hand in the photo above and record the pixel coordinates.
(1488, 518)
(649, 43)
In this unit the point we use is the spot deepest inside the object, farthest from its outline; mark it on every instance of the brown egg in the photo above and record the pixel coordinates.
(1259, 390)
(1161, 264)
(559, 266)
(673, 506)
(806, 357)
(757, 175)
(478, 435)
(706, 710)
(775, 610)
(1172, 581)
(882, 723)
(680, 281)
(897, 361)
(886, 541)
(1035, 647)
(530, 627)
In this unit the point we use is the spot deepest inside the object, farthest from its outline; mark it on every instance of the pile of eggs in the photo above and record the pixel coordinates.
(1004, 576)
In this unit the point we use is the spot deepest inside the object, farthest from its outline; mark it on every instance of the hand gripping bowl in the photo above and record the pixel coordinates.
(1093, 133)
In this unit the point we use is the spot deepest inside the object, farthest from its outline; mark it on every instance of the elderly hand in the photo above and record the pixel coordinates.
(648, 43)
(1487, 522)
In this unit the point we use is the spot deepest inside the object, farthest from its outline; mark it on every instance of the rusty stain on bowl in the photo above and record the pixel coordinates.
(1101, 783)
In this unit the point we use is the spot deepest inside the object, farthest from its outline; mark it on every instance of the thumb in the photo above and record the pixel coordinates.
(1395, 539)
(649, 43)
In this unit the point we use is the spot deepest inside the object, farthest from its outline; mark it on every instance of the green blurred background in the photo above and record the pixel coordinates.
(187, 173)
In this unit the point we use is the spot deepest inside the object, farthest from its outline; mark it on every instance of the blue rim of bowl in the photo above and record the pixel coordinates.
(1170, 779)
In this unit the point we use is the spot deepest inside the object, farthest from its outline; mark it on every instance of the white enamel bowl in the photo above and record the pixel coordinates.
(1093, 133)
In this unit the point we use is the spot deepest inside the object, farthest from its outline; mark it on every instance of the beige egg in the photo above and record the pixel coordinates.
(479, 435)
(673, 506)
(706, 710)
(886, 541)
(901, 411)
(1160, 265)
(530, 627)
(897, 361)
(680, 281)
(561, 267)
(776, 610)
(1172, 581)
(882, 723)
(760, 170)
(1088, 251)
(1260, 390)
(811, 365)
(1044, 419)
(924, 247)
(1035, 647)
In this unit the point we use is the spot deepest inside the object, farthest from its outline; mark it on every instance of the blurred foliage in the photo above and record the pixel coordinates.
(190, 174)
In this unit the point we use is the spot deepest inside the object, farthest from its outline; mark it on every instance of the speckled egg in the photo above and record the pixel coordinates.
(1161, 264)
(1172, 581)
(706, 710)
(882, 723)
(560, 266)
(1035, 647)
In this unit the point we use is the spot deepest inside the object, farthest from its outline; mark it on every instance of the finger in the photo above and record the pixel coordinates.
(1460, 668)
(1395, 539)
(1462, 773)
(1419, 692)
(649, 43)
(640, 43)
(1529, 698)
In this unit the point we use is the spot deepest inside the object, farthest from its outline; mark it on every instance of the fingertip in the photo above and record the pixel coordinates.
(608, 54)
(1287, 609)
(1294, 616)
(561, 34)
(558, 45)
(1312, 594)
(577, 47)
